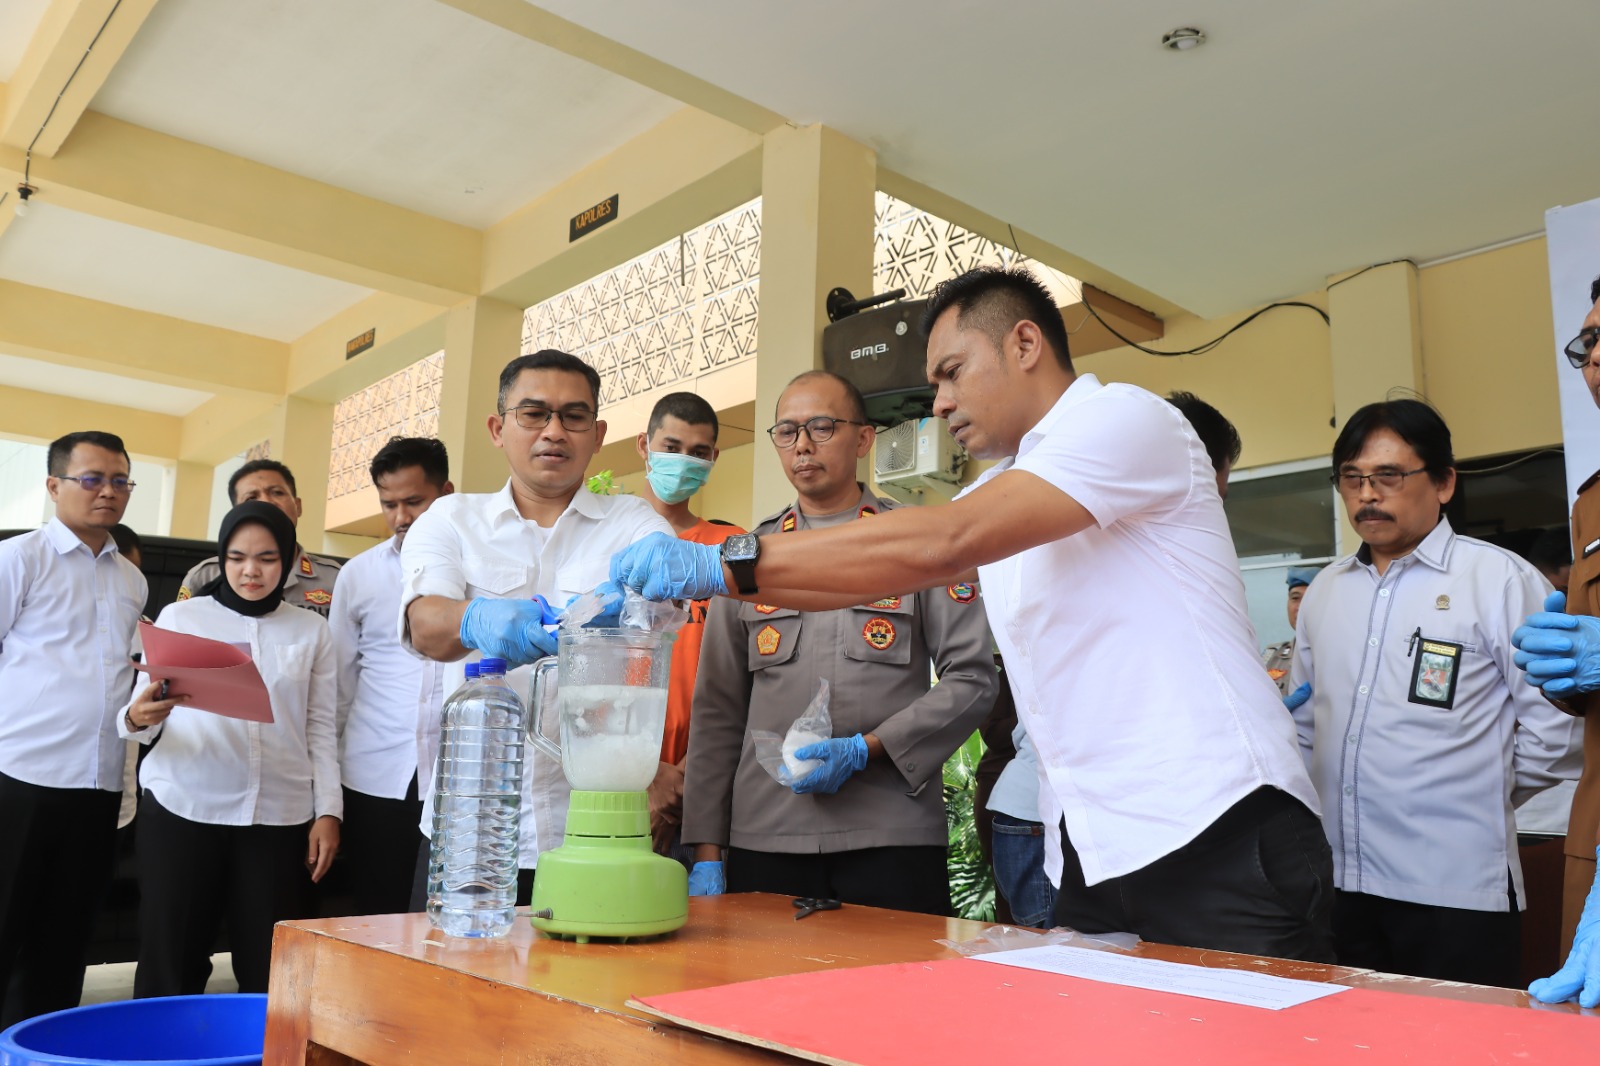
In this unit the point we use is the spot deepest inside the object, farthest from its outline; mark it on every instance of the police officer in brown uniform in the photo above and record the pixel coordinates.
(868, 825)
(1560, 650)
(1278, 658)
(311, 577)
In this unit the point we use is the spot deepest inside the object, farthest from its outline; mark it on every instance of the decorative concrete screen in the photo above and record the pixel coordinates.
(404, 404)
(682, 309)
(915, 250)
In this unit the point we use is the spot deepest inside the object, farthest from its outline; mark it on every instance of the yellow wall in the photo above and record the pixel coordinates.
(727, 494)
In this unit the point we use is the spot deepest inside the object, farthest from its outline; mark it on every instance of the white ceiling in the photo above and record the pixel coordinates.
(56, 248)
(1302, 140)
(57, 380)
(18, 20)
(407, 101)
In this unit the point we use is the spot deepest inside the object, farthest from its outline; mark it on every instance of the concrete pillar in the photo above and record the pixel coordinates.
(482, 335)
(302, 439)
(1376, 346)
(191, 501)
(817, 189)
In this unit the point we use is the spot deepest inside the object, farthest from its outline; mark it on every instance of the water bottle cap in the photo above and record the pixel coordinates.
(491, 666)
(472, 670)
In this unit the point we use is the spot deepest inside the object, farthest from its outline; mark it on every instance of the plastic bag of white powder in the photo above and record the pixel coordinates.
(777, 754)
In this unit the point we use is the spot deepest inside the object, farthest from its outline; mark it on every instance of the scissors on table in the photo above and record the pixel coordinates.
(806, 906)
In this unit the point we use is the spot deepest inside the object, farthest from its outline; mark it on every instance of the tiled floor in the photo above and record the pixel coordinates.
(114, 980)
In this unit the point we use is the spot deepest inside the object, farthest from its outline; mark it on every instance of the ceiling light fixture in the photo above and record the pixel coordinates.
(1183, 39)
(23, 192)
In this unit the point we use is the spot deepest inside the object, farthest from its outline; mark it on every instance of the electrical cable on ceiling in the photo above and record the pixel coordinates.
(1364, 269)
(27, 156)
(1199, 349)
(1518, 461)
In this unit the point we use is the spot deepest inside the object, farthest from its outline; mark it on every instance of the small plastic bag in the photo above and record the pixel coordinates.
(1011, 937)
(636, 613)
(776, 754)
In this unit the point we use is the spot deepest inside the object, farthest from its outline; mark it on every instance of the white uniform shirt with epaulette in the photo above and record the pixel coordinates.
(310, 583)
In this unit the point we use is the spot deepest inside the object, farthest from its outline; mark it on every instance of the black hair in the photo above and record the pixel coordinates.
(853, 397)
(1412, 421)
(1594, 291)
(1551, 549)
(688, 407)
(60, 451)
(994, 300)
(127, 540)
(1213, 428)
(548, 359)
(256, 466)
(425, 452)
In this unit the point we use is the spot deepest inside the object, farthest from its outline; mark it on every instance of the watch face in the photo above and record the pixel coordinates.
(741, 547)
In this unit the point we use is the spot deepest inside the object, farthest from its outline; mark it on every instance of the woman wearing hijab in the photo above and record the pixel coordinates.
(237, 819)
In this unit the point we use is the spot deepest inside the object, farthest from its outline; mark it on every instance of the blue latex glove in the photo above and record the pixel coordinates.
(841, 757)
(1560, 652)
(513, 630)
(1296, 699)
(662, 567)
(706, 879)
(1580, 975)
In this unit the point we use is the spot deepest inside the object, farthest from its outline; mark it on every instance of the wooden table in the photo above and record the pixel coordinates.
(391, 990)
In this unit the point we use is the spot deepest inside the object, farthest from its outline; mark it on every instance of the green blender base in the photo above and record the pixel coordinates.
(605, 880)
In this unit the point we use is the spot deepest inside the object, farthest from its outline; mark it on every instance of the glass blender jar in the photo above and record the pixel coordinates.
(607, 688)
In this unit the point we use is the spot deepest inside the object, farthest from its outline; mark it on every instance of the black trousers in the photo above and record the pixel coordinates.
(193, 876)
(1258, 880)
(377, 856)
(419, 881)
(57, 848)
(901, 878)
(1426, 940)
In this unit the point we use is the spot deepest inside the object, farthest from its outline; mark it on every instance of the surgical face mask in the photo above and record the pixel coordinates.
(674, 477)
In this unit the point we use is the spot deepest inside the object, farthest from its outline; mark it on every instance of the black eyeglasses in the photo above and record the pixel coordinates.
(819, 429)
(1386, 482)
(94, 482)
(537, 416)
(1579, 348)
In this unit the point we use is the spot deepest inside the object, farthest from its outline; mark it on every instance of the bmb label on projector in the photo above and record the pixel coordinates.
(593, 218)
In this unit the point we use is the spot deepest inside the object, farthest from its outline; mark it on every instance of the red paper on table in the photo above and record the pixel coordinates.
(212, 675)
(962, 1011)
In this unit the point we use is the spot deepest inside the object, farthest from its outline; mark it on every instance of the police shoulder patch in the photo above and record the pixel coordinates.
(788, 523)
(962, 593)
(879, 633)
(183, 592)
(764, 608)
(866, 509)
(888, 603)
(306, 568)
(320, 597)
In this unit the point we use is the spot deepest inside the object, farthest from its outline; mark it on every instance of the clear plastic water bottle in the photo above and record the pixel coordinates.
(477, 800)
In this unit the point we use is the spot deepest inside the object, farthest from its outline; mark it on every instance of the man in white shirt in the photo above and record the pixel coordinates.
(387, 697)
(474, 563)
(69, 605)
(1114, 594)
(1420, 734)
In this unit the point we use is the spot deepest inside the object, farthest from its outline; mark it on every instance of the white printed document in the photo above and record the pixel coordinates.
(1226, 986)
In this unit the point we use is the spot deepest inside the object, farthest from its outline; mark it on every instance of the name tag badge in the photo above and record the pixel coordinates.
(1433, 676)
(1591, 547)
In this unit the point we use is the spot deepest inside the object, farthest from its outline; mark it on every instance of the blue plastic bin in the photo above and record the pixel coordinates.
(225, 1030)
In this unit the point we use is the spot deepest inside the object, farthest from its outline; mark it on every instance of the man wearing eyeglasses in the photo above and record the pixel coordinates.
(311, 577)
(69, 604)
(1561, 653)
(866, 824)
(1419, 734)
(484, 572)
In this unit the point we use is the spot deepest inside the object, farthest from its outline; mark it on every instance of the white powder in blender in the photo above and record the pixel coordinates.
(622, 756)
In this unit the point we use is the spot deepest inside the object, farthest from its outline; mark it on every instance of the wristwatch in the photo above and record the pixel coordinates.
(740, 553)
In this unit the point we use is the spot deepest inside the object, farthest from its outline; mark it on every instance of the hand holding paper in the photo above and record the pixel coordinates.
(213, 676)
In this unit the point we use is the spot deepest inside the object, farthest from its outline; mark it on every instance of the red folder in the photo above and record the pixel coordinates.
(210, 674)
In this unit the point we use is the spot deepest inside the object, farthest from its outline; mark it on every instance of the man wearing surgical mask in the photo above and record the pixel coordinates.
(679, 447)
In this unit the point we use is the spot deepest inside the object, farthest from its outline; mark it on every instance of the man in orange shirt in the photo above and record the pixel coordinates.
(679, 446)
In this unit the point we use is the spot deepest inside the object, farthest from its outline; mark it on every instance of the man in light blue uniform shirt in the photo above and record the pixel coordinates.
(1419, 734)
